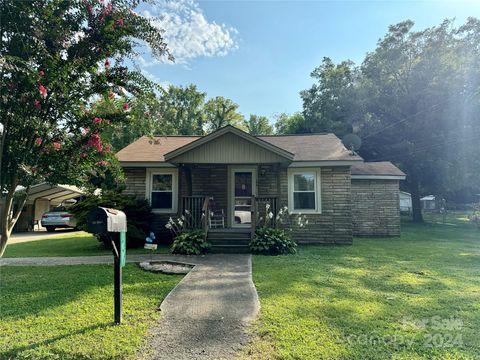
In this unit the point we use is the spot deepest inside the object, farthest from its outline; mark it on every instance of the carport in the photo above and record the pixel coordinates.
(41, 198)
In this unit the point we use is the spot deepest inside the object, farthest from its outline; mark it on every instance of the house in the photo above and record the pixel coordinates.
(405, 202)
(429, 203)
(312, 174)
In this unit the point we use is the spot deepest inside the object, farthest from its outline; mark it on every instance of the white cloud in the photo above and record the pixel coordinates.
(155, 79)
(188, 33)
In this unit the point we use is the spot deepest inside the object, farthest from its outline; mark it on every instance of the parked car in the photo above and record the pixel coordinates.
(243, 214)
(59, 217)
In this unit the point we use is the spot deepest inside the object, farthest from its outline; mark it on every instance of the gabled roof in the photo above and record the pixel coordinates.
(225, 130)
(313, 147)
(305, 150)
(147, 149)
(377, 170)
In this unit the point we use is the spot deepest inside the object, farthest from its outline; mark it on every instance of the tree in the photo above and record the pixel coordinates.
(258, 125)
(290, 124)
(145, 119)
(422, 106)
(219, 112)
(415, 100)
(58, 57)
(330, 104)
(182, 110)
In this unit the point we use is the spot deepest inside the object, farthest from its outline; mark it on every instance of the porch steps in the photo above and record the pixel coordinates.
(229, 240)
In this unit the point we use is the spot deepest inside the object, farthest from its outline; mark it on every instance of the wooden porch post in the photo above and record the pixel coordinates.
(188, 179)
(253, 217)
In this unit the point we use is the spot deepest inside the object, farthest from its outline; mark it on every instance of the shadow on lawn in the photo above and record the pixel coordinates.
(13, 353)
(36, 292)
(372, 286)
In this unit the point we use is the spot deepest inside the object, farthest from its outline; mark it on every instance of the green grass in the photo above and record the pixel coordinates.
(70, 245)
(332, 302)
(66, 312)
(452, 218)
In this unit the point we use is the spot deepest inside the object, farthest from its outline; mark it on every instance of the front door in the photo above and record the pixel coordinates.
(242, 188)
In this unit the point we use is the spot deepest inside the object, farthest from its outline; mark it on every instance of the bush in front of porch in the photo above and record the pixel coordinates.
(271, 241)
(273, 235)
(190, 242)
(186, 241)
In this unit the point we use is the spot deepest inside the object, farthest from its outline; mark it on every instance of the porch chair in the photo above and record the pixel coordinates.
(217, 216)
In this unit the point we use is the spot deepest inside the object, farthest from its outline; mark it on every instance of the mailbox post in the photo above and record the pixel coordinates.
(112, 223)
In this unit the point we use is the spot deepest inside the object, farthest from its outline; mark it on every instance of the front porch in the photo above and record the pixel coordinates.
(230, 228)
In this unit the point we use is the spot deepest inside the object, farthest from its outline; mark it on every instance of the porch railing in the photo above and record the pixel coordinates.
(260, 212)
(194, 206)
(199, 208)
(206, 216)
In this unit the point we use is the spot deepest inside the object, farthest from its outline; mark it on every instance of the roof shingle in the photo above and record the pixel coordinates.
(380, 168)
(312, 147)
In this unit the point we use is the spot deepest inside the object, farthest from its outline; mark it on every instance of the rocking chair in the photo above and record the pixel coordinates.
(217, 216)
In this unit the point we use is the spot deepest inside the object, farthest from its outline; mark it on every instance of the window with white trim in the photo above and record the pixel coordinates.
(162, 190)
(304, 190)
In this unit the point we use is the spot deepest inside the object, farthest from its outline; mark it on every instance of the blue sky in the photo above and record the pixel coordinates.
(260, 53)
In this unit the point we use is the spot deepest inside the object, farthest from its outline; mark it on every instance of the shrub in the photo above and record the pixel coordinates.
(271, 241)
(138, 212)
(190, 243)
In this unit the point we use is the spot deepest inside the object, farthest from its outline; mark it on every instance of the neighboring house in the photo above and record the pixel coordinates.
(405, 202)
(313, 175)
(429, 203)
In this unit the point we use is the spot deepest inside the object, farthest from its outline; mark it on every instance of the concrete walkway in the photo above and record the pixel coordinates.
(204, 317)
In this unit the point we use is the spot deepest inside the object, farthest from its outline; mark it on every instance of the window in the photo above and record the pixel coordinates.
(304, 190)
(162, 190)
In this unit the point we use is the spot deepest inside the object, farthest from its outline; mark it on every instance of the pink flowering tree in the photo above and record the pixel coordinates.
(59, 58)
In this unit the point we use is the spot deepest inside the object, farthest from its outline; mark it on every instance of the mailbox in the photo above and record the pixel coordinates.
(103, 220)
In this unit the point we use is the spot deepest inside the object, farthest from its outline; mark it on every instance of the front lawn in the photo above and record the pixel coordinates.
(411, 297)
(66, 312)
(70, 245)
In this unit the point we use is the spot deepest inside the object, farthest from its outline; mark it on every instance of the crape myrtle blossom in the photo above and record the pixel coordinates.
(42, 91)
(95, 141)
(118, 23)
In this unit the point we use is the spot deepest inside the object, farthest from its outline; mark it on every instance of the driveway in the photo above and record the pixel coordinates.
(204, 317)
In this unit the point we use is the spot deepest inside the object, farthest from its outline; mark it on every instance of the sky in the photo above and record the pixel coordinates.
(260, 53)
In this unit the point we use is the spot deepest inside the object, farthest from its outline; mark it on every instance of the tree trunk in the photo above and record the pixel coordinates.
(7, 219)
(4, 234)
(417, 216)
